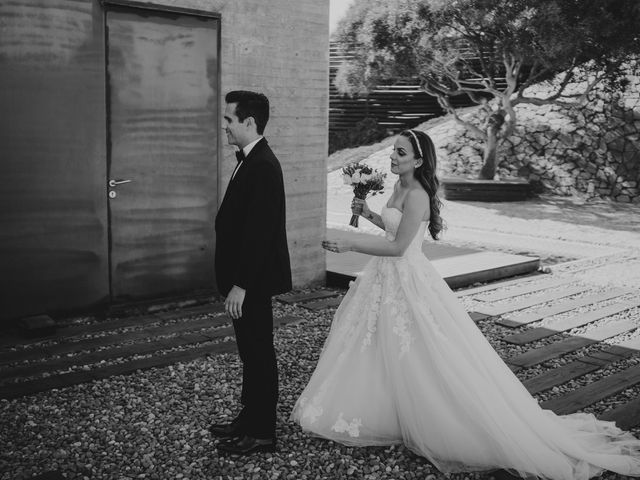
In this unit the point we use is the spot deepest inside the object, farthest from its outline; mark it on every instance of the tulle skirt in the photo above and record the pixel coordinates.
(404, 363)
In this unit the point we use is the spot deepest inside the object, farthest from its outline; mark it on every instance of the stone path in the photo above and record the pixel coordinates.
(78, 353)
(567, 328)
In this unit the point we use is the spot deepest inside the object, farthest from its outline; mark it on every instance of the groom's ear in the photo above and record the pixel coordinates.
(250, 122)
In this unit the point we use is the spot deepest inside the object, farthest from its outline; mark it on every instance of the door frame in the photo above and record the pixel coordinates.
(159, 7)
(162, 9)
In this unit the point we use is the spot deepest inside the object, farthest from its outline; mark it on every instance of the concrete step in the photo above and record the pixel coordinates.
(459, 267)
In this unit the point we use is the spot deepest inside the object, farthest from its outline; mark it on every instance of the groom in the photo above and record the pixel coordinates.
(252, 264)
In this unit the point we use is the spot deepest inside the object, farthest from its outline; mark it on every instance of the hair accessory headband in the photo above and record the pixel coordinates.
(415, 137)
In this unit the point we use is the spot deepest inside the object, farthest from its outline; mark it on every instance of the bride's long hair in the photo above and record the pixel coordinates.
(426, 175)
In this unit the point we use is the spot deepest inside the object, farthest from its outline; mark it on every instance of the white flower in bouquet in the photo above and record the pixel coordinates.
(365, 177)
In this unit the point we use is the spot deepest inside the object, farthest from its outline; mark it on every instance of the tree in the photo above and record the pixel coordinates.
(492, 51)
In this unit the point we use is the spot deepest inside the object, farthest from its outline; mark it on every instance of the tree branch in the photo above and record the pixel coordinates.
(477, 42)
(558, 98)
(476, 99)
(465, 85)
(535, 72)
(512, 67)
(541, 101)
(553, 99)
(443, 101)
(565, 81)
(590, 87)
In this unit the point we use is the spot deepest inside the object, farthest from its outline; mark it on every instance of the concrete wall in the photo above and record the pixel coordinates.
(67, 240)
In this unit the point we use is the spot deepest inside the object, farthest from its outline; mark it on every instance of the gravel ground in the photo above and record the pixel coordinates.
(153, 424)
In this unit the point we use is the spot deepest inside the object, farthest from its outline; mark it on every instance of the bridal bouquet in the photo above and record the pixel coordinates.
(363, 179)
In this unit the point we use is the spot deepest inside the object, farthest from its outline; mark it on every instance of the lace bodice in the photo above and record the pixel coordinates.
(391, 217)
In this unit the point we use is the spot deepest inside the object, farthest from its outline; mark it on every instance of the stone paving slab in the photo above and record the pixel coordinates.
(477, 317)
(523, 289)
(50, 475)
(568, 345)
(566, 324)
(558, 376)
(308, 296)
(522, 280)
(621, 349)
(565, 306)
(530, 301)
(594, 392)
(324, 303)
(626, 416)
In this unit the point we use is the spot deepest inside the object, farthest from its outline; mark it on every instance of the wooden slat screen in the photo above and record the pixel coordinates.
(395, 107)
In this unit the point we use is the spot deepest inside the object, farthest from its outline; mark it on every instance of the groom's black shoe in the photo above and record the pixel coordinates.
(226, 430)
(248, 445)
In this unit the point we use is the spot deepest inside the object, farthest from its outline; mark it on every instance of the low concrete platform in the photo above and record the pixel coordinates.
(460, 267)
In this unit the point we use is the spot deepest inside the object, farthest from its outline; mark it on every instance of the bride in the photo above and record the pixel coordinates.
(404, 363)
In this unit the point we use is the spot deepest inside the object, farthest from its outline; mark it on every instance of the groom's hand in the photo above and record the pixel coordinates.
(233, 302)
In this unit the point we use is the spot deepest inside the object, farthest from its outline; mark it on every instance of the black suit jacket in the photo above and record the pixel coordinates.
(251, 237)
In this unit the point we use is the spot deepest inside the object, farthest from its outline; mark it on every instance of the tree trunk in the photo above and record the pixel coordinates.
(488, 170)
(490, 165)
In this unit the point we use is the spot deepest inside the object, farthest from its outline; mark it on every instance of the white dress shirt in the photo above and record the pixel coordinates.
(246, 150)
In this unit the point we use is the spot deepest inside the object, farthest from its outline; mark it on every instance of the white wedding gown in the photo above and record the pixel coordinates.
(404, 363)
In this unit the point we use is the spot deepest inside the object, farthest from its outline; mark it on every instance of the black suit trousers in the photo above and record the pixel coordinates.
(254, 337)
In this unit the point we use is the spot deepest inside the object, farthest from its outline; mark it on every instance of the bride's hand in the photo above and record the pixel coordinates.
(360, 207)
(337, 246)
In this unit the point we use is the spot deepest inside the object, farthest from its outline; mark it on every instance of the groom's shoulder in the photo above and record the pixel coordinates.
(262, 151)
(266, 150)
(268, 157)
(266, 165)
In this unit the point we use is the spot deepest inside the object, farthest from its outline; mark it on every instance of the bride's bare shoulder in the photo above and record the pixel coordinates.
(417, 200)
(418, 194)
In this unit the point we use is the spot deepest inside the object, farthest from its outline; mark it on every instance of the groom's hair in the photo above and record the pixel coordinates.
(250, 104)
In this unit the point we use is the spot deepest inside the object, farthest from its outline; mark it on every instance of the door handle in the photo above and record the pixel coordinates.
(113, 183)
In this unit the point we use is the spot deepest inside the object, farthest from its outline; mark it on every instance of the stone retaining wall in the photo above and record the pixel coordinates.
(591, 150)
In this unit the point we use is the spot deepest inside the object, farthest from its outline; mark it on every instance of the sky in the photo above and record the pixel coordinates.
(337, 9)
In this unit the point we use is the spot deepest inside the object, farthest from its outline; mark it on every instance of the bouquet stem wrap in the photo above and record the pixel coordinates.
(354, 218)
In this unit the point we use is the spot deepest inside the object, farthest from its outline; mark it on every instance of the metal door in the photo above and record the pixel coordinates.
(163, 81)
